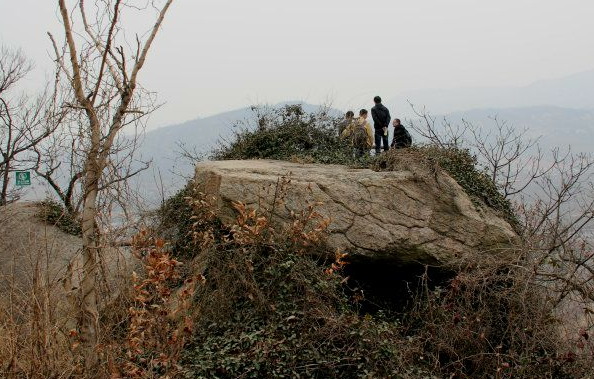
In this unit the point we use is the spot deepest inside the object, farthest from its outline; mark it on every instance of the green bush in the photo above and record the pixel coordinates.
(54, 213)
(288, 133)
(175, 221)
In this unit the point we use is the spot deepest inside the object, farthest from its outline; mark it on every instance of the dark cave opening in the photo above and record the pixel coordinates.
(388, 287)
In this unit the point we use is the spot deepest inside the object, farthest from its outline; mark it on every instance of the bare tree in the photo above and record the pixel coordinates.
(557, 224)
(102, 69)
(443, 134)
(24, 122)
(60, 162)
(511, 159)
(505, 153)
(553, 194)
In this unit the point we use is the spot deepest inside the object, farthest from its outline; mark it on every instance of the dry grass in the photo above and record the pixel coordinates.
(40, 276)
(34, 330)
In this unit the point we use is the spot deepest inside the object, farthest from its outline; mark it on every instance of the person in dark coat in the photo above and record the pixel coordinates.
(402, 137)
(381, 122)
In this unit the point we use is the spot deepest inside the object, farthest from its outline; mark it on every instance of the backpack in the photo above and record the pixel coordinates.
(359, 136)
(342, 125)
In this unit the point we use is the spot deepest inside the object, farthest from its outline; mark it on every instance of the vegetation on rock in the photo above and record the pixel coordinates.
(54, 213)
(270, 309)
(175, 222)
(289, 133)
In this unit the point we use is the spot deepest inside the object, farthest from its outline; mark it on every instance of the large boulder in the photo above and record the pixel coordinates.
(30, 248)
(400, 217)
(35, 254)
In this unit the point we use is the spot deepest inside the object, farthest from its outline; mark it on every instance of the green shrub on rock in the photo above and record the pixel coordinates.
(175, 221)
(288, 133)
(54, 213)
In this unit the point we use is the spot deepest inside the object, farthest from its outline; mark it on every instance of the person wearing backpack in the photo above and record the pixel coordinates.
(348, 119)
(402, 137)
(381, 122)
(360, 134)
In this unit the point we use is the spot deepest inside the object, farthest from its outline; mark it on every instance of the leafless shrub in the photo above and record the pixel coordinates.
(35, 341)
(553, 197)
(160, 319)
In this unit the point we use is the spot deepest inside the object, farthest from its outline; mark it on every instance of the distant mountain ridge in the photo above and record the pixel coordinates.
(573, 91)
(554, 126)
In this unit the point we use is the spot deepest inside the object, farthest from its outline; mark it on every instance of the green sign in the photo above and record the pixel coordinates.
(23, 178)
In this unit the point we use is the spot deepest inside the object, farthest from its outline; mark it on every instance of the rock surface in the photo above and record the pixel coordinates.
(399, 216)
(33, 252)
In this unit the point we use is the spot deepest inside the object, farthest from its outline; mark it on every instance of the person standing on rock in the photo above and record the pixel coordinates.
(360, 134)
(402, 137)
(381, 122)
(348, 119)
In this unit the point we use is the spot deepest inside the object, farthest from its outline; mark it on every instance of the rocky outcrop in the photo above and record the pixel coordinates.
(401, 216)
(28, 245)
(34, 253)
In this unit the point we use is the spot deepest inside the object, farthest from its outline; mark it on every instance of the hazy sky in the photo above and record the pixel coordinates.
(216, 55)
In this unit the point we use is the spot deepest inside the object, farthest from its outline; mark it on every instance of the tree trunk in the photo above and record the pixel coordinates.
(101, 141)
(89, 308)
(5, 179)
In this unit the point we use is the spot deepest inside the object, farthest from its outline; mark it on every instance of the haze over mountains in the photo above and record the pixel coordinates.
(574, 91)
(560, 111)
(554, 126)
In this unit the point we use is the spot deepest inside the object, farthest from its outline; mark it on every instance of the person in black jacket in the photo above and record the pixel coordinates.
(402, 137)
(381, 121)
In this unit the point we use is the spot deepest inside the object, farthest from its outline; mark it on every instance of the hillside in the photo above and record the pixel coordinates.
(409, 265)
